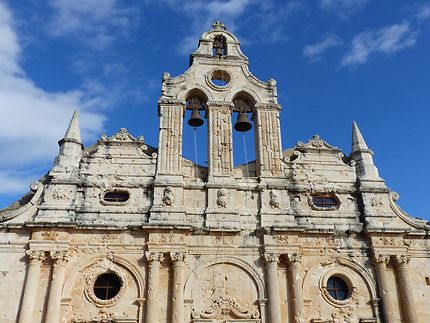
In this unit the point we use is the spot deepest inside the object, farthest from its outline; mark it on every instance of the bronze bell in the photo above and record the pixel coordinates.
(242, 123)
(195, 119)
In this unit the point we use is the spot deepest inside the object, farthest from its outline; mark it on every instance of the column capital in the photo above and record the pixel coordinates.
(381, 259)
(294, 258)
(59, 257)
(403, 259)
(270, 257)
(36, 255)
(152, 256)
(177, 257)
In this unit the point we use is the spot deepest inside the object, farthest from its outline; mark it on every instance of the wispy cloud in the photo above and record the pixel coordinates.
(96, 22)
(42, 116)
(266, 16)
(387, 40)
(423, 12)
(343, 8)
(315, 51)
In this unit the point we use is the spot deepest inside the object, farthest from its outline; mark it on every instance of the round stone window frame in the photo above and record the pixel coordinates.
(350, 282)
(90, 282)
(219, 74)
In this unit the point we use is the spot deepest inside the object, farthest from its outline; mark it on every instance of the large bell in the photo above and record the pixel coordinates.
(195, 119)
(242, 123)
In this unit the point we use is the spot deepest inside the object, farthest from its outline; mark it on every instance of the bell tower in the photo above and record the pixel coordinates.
(219, 84)
(220, 90)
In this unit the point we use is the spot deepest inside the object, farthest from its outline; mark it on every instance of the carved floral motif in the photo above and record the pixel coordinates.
(222, 305)
(36, 255)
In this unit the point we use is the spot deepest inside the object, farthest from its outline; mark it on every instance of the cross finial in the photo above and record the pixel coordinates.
(218, 25)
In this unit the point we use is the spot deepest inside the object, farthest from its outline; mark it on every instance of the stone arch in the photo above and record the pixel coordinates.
(246, 94)
(192, 89)
(125, 264)
(362, 299)
(245, 266)
(237, 281)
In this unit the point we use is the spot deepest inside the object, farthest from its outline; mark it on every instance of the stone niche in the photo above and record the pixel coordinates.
(223, 291)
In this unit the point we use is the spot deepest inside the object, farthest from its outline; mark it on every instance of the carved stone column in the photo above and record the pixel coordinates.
(295, 271)
(171, 114)
(36, 258)
(60, 259)
(408, 304)
(273, 298)
(381, 262)
(178, 286)
(220, 161)
(268, 140)
(152, 302)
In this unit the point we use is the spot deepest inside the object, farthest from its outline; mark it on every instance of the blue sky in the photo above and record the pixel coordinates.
(335, 61)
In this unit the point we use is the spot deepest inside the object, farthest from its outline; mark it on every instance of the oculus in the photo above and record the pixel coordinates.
(107, 286)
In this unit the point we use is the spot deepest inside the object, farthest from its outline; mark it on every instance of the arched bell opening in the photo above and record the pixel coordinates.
(195, 133)
(243, 133)
(219, 46)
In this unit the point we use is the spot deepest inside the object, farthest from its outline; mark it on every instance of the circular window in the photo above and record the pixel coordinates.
(337, 288)
(219, 79)
(107, 286)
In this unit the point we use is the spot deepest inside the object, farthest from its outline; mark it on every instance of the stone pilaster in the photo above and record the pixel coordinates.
(268, 140)
(220, 161)
(178, 259)
(381, 262)
(154, 260)
(273, 297)
(296, 276)
(60, 259)
(36, 257)
(408, 304)
(171, 114)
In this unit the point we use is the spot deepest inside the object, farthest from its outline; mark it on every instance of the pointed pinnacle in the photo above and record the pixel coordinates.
(73, 132)
(358, 143)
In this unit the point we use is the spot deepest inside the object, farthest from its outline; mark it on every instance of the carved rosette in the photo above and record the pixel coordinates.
(92, 273)
(222, 199)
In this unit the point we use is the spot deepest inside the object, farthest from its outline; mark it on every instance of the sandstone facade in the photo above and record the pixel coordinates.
(307, 234)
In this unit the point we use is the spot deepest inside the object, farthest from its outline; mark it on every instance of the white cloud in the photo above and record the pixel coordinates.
(97, 22)
(343, 8)
(32, 119)
(315, 51)
(423, 12)
(386, 40)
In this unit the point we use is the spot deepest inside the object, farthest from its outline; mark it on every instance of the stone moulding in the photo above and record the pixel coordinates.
(37, 189)
(416, 223)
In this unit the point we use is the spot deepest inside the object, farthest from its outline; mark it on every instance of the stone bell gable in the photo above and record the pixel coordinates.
(124, 232)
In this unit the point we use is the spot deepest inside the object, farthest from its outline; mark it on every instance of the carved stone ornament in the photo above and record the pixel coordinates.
(274, 202)
(154, 256)
(59, 257)
(403, 259)
(36, 255)
(168, 197)
(270, 257)
(222, 199)
(316, 143)
(294, 258)
(222, 305)
(122, 136)
(92, 273)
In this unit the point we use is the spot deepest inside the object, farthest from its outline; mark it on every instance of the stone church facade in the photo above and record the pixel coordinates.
(124, 232)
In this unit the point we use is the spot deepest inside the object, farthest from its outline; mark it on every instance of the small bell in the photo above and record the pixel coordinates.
(195, 119)
(242, 123)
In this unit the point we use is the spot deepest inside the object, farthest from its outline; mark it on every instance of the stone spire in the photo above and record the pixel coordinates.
(73, 132)
(363, 156)
(70, 147)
